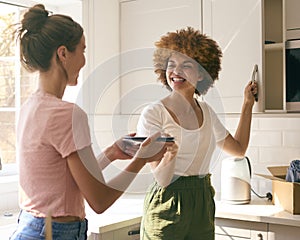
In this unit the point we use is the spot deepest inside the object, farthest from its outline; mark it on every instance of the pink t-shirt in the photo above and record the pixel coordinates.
(49, 130)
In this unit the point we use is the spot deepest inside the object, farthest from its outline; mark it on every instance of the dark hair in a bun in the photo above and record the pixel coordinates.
(35, 18)
(40, 35)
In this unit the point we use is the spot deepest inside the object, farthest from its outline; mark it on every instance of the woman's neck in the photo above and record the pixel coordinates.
(184, 110)
(52, 83)
(184, 101)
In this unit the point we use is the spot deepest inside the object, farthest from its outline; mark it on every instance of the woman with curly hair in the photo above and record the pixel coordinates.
(58, 168)
(180, 203)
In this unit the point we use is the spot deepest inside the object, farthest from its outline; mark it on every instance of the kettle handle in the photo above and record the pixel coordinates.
(249, 165)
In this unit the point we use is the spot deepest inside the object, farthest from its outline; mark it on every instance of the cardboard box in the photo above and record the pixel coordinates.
(285, 194)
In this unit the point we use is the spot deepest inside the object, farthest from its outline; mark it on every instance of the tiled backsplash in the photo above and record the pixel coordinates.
(275, 140)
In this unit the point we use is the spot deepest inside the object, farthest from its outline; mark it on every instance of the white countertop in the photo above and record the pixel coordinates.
(128, 210)
(259, 210)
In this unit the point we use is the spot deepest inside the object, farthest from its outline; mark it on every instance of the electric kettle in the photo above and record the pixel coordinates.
(235, 180)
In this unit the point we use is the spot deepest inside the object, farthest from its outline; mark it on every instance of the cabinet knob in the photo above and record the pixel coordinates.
(260, 236)
(133, 232)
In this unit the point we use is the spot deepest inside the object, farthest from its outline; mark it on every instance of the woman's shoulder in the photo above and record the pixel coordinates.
(64, 110)
(207, 110)
(156, 105)
(203, 105)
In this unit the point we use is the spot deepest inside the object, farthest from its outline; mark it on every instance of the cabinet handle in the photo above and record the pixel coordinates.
(260, 236)
(254, 79)
(133, 232)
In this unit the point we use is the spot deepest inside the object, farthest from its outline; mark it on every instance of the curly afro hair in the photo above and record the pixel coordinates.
(195, 45)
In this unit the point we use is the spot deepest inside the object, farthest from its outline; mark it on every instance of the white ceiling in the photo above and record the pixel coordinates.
(57, 2)
(54, 3)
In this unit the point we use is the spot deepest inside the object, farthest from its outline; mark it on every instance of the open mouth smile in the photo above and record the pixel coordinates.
(178, 80)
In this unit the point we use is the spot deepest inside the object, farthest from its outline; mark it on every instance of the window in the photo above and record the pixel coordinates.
(16, 84)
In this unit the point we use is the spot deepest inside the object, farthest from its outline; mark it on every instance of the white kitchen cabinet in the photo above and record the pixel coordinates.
(277, 231)
(237, 27)
(122, 35)
(142, 22)
(292, 19)
(229, 229)
(101, 28)
(124, 230)
(242, 28)
(124, 233)
(293, 16)
(240, 229)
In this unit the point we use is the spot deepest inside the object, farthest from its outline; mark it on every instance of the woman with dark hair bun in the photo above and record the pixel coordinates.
(41, 34)
(58, 168)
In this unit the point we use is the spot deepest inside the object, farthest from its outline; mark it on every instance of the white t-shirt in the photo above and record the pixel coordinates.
(195, 147)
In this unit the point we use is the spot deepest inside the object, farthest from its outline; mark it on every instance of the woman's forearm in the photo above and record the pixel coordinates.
(164, 173)
(103, 160)
(242, 133)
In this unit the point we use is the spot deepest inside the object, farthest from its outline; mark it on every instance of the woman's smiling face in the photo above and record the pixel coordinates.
(182, 73)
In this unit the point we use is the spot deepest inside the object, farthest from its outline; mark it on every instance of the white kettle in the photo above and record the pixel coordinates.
(235, 180)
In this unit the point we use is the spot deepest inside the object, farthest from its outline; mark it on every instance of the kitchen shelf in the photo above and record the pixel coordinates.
(274, 46)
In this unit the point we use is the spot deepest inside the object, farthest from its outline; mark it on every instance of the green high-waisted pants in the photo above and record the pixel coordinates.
(184, 210)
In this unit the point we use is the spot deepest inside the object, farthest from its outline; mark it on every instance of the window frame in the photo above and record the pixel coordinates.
(11, 169)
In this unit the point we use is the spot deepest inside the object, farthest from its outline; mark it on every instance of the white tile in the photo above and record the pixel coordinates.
(278, 156)
(264, 186)
(253, 154)
(266, 139)
(231, 122)
(291, 138)
(255, 124)
(279, 123)
(259, 184)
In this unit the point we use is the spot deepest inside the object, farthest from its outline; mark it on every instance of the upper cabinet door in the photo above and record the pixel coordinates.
(293, 16)
(142, 23)
(237, 27)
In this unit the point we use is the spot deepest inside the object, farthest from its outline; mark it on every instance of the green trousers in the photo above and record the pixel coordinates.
(184, 210)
